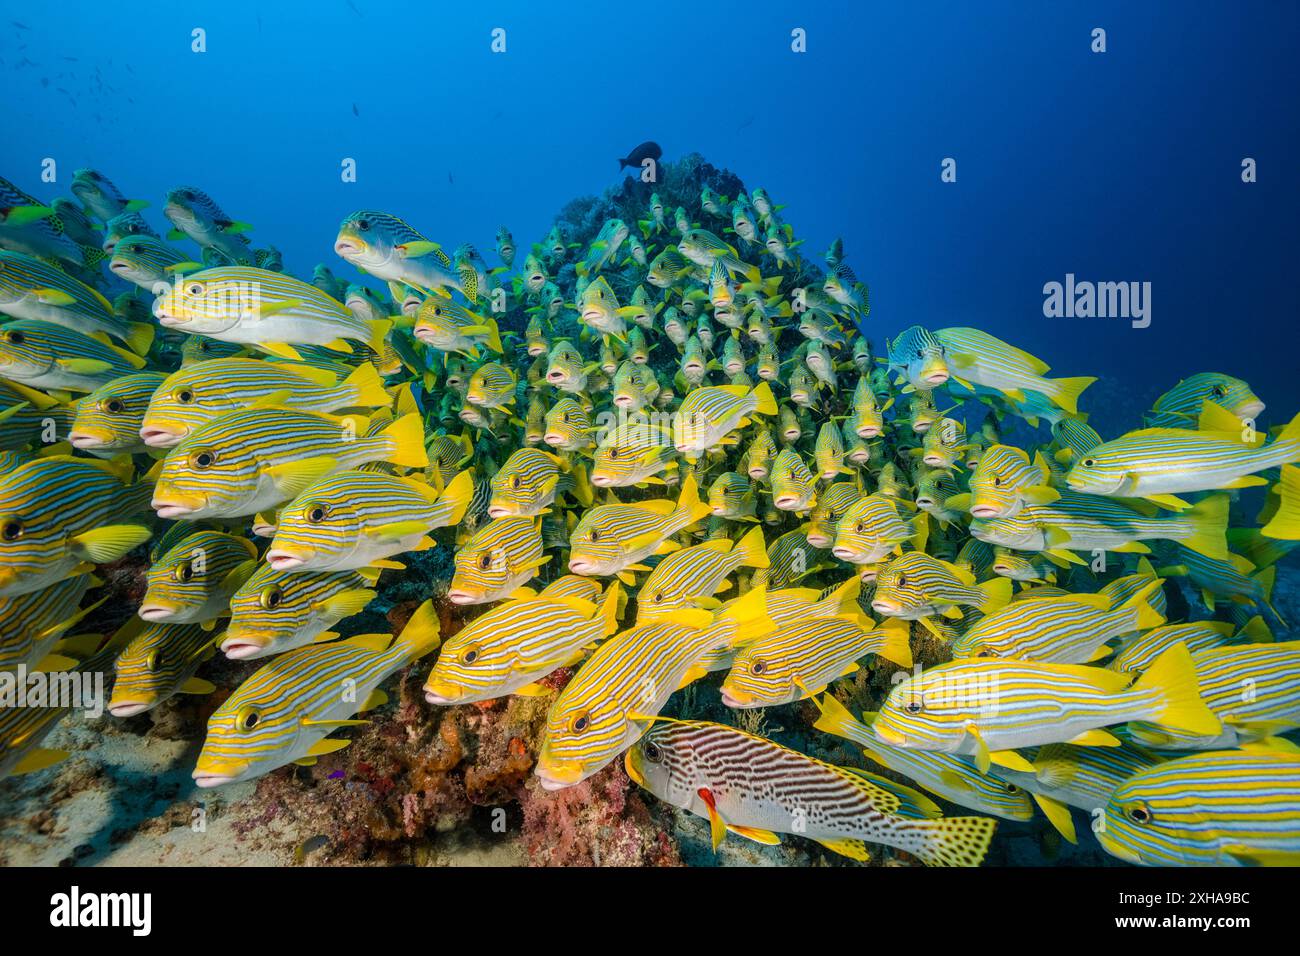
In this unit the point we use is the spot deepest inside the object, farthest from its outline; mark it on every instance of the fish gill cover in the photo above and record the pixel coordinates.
(643, 541)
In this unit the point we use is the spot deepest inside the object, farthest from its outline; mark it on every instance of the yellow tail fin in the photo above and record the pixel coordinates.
(1209, 521)
(609, 609)
(422, 634)
(1173, 676)
(997, 593)
(955, 841)
(1068, 390)
(407, 437)
(1285, 523)
(753, 549)
(766, 404)
(897, 644)
(368, 388)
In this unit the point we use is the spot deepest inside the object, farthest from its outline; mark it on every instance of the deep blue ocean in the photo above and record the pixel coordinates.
(1122, 166)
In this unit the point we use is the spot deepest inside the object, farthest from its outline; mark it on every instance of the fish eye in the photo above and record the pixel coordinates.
(595, 535)
(580, 722)
(485, 562)
(758, 668)
(613, 453)
(185, 396)
(187, 194)
(202, 460)
(913, 706)
(15, 338)
(11, 530)
(997, 480)
(1012, 788)
(115, 406)
(1089, 462)
(659, 597)
(316, 514)
(652, 751)
(470, 655)
(1219, 391)
(154, 660)
(902, 580)
(862, 527)
(249, 719)
(515, 482)
(184, 572)
(194, 288)
(920, 353)
(1138, 813)
(363, 224)
(272, 597)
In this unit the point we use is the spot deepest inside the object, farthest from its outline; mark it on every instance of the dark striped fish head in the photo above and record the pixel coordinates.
(525, 484)
(99, 194)
(491, 385)
(1186, 397)
(832, 504)
(920, 357)
(906, 586)
(145, 261)
(275, 611)
(727, 494)
(30, 349)
(370, 239)
(194, 579)
(124, 226)
(209, 302)
(317, 529)
(759, 455)
(869, 530)
(109, 418)
(932, 710)
(154, 664)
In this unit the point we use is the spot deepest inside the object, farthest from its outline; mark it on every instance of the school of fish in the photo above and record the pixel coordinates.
(667, 451)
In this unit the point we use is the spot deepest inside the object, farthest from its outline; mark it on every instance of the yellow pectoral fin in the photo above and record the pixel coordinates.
(1011, 760)
(199, 686)
(1095, 738)
(39, 759)
(1059, 816)
(766, 837)
(853, 849)
(376, 699)
(1169, 502)
(281, 350)
(531, 690)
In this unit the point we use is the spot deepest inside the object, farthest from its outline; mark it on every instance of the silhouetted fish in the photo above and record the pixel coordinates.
(647, 150)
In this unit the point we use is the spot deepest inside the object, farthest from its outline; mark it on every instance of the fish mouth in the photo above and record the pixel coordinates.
(868, 431)
(600, 481)
(924, 502)
(437, 692)
(554, 438)
(1250, 410)
(155, 612)
(582, 566)
(555, 377)
(461, 596)
(127, 708)
(155, 436)
(121, 268)
(623, 401)
(205, 779)
(786, 502)
(177, 507)
(282, 560)
(499, 511)
(819, 541)
(348, 247)
(934, 460)
(758, 473)
(737, 699)
(885, 607)
(86, 440)
(843, 553)
(984, 511)
(554, 775)
(244, 647)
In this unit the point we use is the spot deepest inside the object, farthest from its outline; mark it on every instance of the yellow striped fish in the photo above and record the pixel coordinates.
(793, 485)
(108, 420)
(59, 515)
(276, 611)
(690, 577)
(284, 713)
(916, 586)
(194, 580)
(1066, 630)
(358, 519)
(710, 414)
(872, 529)
(616, 694)
(158, 664)
(254, 459)
(31, 624)
(512, 647)
(988, 708)
(1234, 808)
(613, 539)
(501, 557)
(270, 310)
(756, 788)
(46, 356)
(803, 657)
(448, 327)
(635, 452)
(950, 776)
(196, 395)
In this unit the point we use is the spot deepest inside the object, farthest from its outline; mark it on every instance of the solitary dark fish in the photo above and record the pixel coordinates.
(355, 111)
(647, 150)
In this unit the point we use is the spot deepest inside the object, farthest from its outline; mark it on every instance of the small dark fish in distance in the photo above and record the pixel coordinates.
(647, 150)
(355, 111)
